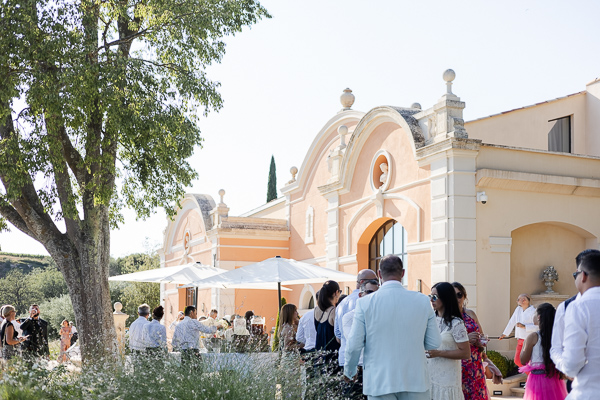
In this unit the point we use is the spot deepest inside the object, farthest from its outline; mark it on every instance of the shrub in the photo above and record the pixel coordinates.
(504, 364)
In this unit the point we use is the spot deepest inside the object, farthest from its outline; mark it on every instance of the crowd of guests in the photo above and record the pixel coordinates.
(150, 337)
(392, 343)
(28, 337)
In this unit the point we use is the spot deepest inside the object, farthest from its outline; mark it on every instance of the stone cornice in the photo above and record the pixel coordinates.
(424, 154)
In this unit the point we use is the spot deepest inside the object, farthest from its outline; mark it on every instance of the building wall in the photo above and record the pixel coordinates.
(529, 127)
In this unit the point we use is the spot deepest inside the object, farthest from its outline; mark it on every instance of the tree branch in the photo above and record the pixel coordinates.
(14, 218)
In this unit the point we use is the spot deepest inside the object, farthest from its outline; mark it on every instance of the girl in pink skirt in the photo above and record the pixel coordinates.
(544, 381)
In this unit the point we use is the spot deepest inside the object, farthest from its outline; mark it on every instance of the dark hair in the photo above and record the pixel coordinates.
(546, 313)
(188, 310)
(447, 296)
(460, 288)
(248, 315)
(390, 265)
(583, 254)
(158, 313)
(214, 310)
(324, 300)
(286, 315)
(590, 264)
(363, 286)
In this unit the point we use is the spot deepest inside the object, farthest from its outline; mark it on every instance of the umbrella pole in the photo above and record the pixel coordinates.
(279, 293)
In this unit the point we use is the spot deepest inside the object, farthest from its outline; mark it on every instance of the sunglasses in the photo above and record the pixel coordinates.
(577, 273)
(460, 295)
(433, 297)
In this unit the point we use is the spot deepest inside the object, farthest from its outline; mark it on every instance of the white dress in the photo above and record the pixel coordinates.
(445, 374)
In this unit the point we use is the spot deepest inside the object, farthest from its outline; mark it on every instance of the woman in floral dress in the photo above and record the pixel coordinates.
(473, 371)
(65, 341)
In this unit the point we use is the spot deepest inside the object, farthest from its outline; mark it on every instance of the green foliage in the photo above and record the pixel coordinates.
(55, 311)
(47, 282)
(16, 290)
(251, 378)
(504, 364)
(272, 184)
(275, 345)
(24, 262)
(132, 294)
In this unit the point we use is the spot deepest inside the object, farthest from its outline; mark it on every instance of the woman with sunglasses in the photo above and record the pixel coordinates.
(326, 342)
(473, 371)
(444, 363)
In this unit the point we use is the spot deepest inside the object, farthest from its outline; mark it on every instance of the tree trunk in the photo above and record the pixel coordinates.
(85, 265)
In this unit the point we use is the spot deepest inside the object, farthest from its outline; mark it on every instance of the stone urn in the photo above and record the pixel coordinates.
(549, 277)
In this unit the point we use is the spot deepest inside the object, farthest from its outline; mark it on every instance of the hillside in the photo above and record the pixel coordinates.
(24, 262)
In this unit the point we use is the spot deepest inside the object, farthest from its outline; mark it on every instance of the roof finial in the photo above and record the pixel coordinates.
(449, 76)
(221, 194)
(347, 99)
(293, 171)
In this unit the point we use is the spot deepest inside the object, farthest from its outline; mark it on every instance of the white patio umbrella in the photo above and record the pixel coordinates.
(185, 275)
(278, 270)
(181, 274)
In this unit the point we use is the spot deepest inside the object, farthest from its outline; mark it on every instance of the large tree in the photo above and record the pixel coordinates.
(99, 103)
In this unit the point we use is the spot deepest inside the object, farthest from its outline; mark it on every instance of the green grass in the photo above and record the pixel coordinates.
(252, 379)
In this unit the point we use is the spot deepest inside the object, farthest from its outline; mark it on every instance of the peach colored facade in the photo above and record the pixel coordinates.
(540, 207)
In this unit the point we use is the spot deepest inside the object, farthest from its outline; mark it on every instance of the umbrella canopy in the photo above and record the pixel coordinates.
(274, 270)
(181, 274)
(185, 275)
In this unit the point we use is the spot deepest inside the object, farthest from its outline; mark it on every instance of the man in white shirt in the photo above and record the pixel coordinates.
(347, 305)
(558, 330)
(354, 389)
(522, 322)
(155, 333)
(581, 353)
(136, 330)
(187, 336)
(212, 318)
(307, 333)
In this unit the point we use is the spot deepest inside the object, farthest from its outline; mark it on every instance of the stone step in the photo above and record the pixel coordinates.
(520, 392)
(504, 398)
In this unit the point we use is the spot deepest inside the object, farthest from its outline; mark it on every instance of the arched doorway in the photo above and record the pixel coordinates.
(390, 238)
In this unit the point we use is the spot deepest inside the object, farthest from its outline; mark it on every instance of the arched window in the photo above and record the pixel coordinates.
(389, 239)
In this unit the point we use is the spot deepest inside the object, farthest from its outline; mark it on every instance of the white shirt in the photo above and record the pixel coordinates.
(558, 332)
(174, 324)
(136, 334)
(307, 333)
(347, 305)
(581, 354)
(526, 318)
(347, 328)
(73, 330)
(155, 334)
(210, 321)
(187, 333)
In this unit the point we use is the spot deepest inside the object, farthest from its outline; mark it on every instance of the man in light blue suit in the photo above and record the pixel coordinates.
(394, 326)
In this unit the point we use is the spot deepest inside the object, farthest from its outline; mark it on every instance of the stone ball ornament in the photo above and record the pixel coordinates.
(449, 75)
(343, 130)
(416, 105)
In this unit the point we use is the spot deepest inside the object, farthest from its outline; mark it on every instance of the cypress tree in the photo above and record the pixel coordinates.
(272, 185)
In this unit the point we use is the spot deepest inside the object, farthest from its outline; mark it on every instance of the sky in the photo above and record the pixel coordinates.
(281, 80)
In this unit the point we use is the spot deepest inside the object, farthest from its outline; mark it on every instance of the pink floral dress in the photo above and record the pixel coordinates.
(473, 373)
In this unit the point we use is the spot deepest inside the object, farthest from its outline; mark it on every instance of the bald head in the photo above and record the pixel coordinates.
(365, 275)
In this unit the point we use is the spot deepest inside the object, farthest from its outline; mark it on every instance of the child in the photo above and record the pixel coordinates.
(544, 381)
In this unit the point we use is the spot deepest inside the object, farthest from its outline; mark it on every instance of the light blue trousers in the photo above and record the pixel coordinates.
(403, 396)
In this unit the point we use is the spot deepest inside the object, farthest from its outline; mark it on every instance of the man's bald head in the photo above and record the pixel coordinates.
(365, 275)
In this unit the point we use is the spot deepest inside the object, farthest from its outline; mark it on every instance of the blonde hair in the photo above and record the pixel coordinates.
(7, 309)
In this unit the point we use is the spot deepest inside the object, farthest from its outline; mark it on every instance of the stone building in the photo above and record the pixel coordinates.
(489, 203)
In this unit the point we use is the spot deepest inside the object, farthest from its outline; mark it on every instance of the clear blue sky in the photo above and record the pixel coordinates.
(281, 81)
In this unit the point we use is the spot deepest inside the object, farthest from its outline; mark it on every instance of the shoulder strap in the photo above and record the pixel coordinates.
(569, 301)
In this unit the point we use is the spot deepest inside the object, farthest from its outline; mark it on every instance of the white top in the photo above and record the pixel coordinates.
(558, 332)
(73, 330)
(347, 328)
(136, 334)
(155, 334)
(174, 324)
(307, 333)
(458, 329)
(210, 321)
(581, 355)
(526, 318)
(347, 305)
(187, 333)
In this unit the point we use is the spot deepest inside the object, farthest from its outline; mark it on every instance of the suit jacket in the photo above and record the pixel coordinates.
(37, 343)
(394, 326)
